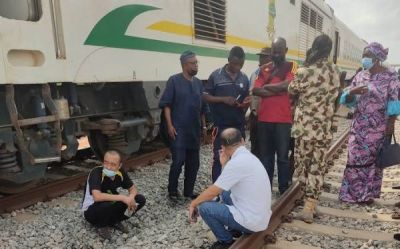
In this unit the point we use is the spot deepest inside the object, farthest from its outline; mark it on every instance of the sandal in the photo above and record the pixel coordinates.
(396, 215)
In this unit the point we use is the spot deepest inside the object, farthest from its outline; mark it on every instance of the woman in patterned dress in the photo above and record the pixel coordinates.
(374, 93)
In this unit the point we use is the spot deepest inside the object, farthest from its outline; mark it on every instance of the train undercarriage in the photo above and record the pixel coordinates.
(40, 124)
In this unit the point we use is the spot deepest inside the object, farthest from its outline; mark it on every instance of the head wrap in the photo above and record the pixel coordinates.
(186, 55)
(378, 50)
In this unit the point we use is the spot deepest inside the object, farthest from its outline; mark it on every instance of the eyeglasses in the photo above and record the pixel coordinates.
(193, 62)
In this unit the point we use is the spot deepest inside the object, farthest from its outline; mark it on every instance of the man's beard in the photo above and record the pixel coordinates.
(192, 72)
(278, 60)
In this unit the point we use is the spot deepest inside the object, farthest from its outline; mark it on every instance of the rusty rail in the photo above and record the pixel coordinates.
(282, 207)
(42, 193)
(146, 159)
(337, 145)
(280, 210)
(60, 187)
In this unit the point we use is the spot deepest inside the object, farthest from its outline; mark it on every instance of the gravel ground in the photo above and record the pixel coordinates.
(161, 223)
(334, 242)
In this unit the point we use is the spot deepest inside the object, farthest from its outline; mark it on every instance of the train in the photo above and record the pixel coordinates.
(98, 68)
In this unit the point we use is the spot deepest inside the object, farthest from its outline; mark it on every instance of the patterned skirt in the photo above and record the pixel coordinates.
(361, 184)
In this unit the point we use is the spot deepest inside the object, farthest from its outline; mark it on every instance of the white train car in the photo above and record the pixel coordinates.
(71, 68)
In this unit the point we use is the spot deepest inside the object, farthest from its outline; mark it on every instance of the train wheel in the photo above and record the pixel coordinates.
(126, 143)
(98, 142)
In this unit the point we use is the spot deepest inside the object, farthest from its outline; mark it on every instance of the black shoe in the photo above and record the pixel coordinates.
(192, 196)
(396, 236)
(104, 232)
(174, 196)
(235, 233)
(119, 226)
(221, 245)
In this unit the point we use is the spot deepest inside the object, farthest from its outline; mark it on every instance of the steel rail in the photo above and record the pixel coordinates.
(63, 186)
(282, 207)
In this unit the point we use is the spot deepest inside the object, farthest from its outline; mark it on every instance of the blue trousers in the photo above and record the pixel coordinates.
(274, 138)
(216, 166)
(217, 215)
(191, 159)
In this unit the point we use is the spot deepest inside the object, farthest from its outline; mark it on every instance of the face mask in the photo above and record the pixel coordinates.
(367, 63)
(277, 59)
(109, 173)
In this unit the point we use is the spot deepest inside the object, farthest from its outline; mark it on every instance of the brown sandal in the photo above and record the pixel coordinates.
(396, 215)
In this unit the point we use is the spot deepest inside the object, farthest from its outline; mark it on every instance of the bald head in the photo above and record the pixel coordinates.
(231, 137)
(279, 50)
(279, 42)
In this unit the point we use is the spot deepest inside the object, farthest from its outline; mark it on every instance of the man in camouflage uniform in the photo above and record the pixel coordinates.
(317, 87)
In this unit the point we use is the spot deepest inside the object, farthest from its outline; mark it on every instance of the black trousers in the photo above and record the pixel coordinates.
(253, 135)
(108, 213)
(274, 139)
(191, 159)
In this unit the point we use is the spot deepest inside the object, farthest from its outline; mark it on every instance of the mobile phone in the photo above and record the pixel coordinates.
(129, 212)
(194, 215)
(238, 98)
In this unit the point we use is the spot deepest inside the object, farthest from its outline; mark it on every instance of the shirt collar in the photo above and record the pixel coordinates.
(239, 150)
(225, 72)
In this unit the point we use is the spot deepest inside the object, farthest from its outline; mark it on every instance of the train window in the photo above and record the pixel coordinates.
(319, 22)
(210, 20)
(25, 10)
(305, 13)
(293, 2)
(313, 19)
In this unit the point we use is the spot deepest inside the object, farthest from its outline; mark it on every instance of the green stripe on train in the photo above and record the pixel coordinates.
(110, 32)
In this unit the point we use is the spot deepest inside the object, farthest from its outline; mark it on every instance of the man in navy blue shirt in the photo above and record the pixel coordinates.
(227, 90)
(184, 116)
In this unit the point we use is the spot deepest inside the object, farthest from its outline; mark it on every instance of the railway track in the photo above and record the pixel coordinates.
(282, 208)
(337, 224)
(69, 183)
(162, 224)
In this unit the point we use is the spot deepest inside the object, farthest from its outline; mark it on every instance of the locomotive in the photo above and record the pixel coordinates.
(97, 68)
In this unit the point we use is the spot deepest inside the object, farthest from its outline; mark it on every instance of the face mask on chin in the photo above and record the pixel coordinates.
(109, 173)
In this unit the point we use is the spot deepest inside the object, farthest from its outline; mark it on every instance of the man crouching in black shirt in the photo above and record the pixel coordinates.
(103, 206)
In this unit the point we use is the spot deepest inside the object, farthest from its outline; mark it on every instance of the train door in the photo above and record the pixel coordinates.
(336, 47)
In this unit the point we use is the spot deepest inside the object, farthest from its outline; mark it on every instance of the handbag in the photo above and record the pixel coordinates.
(389, 155)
